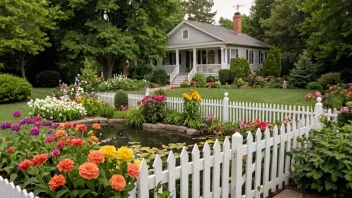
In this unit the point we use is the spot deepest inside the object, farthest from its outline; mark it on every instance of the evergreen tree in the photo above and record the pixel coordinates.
(199, 10)
(261, 10)
(304, 71)
(272, 65)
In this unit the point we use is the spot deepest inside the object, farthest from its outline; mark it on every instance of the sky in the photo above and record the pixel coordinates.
(226, 8)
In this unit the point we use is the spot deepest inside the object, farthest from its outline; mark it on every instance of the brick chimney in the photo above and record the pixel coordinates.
(237, 23)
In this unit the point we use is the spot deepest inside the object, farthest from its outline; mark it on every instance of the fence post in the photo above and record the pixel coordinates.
(225, 111)
(147, 91)
(318, 111)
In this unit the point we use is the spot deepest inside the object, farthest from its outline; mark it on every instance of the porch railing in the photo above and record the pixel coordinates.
(174, 73)
(168, 68)
(209, 68)
(191, 74)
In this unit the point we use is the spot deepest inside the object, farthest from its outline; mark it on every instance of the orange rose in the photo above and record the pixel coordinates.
(93, 140)
(39, 159)
(65, 165)
(76, 142)
(96, 157)
(89, 170)
(133, 170)
(118, 182)
(96, 126)
(60, 133)
(25, 164)
(57, 181)
(81, 128)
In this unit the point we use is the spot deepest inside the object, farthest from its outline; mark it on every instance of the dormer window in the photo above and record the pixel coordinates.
(185, 34)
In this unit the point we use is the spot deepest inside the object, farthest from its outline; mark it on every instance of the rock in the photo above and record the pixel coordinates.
(182, 129)
(150, 129)
(116, 121)
(171, 127)
(154, 126)
(147, 125)
(160, 125)
(103, 124)
(192, 132)
(99, 119)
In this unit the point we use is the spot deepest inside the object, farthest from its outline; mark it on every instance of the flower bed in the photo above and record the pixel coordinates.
(65, 160)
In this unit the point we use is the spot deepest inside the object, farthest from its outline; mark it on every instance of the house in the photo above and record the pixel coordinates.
(199, 47)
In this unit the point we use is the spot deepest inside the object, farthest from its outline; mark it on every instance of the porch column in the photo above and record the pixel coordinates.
(194, 58)
(177, 59)
(226, 62)
(222, 58)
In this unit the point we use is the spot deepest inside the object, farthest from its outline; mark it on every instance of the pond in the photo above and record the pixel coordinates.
(148, 144)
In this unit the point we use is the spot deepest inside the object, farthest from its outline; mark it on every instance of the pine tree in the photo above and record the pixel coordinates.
(261, 10)
(199, 10)
(303, 72)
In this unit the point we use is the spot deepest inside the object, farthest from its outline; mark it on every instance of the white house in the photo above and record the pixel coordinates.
(212, 48)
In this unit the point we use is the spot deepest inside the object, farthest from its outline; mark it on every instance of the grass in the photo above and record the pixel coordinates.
(263, 95)
(6, 110)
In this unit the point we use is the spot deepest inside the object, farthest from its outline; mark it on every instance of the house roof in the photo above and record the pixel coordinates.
(224, 34)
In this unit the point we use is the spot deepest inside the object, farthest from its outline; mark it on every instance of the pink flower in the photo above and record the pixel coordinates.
(50, 139)
(55, 153)
(317, 94)
(60, 145)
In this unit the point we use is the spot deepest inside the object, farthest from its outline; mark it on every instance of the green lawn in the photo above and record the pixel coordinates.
(6, 110)
(264, 95)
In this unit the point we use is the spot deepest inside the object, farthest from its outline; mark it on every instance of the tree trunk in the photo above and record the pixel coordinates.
(107, 61)
(21, 62)
(23, 73)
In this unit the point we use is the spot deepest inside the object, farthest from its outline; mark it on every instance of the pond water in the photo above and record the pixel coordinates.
(148, 144)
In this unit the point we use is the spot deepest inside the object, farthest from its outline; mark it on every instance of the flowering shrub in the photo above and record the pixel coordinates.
(154, 109)
(191, 109)
(57, 110)
(336, 96)
(214, 126)
(345, 113)
(66, 161)
(96, 107)
(247, 126)
(122, 82)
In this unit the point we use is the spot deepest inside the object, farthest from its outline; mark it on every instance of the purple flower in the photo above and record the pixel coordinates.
(37, 118)
(16, 114)
(47, 123)
(50, 131)
(26, 120)
(50, 139)
(5, 125)
(15, 127)
(34, 131)
(55, 153)
(54, 125)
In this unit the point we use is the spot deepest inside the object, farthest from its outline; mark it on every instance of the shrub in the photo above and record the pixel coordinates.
(225, 76)
(200, 78)
(154, 108)
(331, 78)
(47, 78)
(217, 84)
(120, 114)
(96, 107)
(239, 68)
(325, 164)
(159, 92)
(184, 84)
(122, 82)
(238, 82)
(139, 71)
(211, 78)
(134, 117)
(160, 76)
(13, 89)
(174, 118)
(121, 98)
(303, 72)
(272, 65)
(314, 86)
(345, 114)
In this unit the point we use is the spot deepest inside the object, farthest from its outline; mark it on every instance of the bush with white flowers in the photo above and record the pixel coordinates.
(122, 82)
(56, 110)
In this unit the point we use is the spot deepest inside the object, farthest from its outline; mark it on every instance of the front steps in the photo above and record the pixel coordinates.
(179, 78)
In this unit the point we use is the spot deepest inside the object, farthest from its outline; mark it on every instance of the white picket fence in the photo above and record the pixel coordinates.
(237, 170)
(9, 190)
(108, 97)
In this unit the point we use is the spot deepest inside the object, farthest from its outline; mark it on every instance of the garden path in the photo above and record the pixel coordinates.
(167, 87)
(289, 194)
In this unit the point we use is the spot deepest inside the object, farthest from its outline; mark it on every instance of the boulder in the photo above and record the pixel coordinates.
(171, 127)
(147, 125)
(192, 132)
(182, 129)
(160, 125)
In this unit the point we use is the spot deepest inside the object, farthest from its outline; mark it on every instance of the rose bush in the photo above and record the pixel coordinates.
(153, 108)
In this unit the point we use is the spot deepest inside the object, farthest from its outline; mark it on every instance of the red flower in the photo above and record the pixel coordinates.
(81, 128)
(10, 149)
(25, 164)
(39, 159)
(76, 142)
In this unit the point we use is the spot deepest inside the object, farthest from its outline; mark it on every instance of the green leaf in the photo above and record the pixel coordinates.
(103, 181)
(13, 176)
(317, 175)
(83, 192)
(61, 193)
(31, 180)
(75, 193)
(329, 185)
(317, 186)
(38, 190)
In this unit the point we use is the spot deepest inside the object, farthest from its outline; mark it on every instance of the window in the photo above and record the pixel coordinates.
(251, 57)
(185, 34)
(247, 55)
(172, 58)
(219, 56)
(266, 55)
(211, 57)
(234, 53)
(204, 57)
(261, 57)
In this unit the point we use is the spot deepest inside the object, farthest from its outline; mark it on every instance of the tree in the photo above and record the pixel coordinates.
(239, 68)
(272, 65)
(303, 72)
(199, 10)
(281, 29)
(115, 31)
(227, 23)
(261, 10)
(23, 29)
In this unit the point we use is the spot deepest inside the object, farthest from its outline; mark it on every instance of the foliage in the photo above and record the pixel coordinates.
(200, 79)
(134, 117)
(48, 78)
(314, 85)
(345, 114)
(226, 23)
(325, 165)
(336, 96)
(160, 76)
(184, 84)
(64, 161)
(24, 28)
(13, 89)
(272, 65)
(122, 82)
(96, 107)
(120, 114)
(174, 118)
(303, 72)
(211, 78)
(191, 109)
(89, 80)
(159, 92)
(154, 108)
(239, 68)
(121, 98)
(199, 10)
(246, 126)
(163, 194)
(140, 72)
(274, 82)
(225, 76)
(331, 78)
(56, 110)
(214, 126)
(74, 91)
(238, 82)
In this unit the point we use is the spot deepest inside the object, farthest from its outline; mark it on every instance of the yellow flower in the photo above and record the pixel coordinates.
(125, 154)
(188, 97)
(138, 163)
(109, 152)
(192, 90)
(117, 167)
(90, 132)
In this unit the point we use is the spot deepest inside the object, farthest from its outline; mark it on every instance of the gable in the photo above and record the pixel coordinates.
(195, 36)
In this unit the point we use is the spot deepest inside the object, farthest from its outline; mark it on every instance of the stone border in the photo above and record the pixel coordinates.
(160, 127)
(102, 121)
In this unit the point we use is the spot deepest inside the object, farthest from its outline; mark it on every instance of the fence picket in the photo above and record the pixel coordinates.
(195, 172)
(266, 163)
(171, 163)
(216, 169)
(283, 137)
(276, 139)
(225, 169)
(236, 170)
(288, 149)
(258, 163)
(184, 172)
(206, 170)
(249, 167)
(143, 188)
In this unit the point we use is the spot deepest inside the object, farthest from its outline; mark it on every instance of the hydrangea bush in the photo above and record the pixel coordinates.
(57, 110)
(122, 82)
